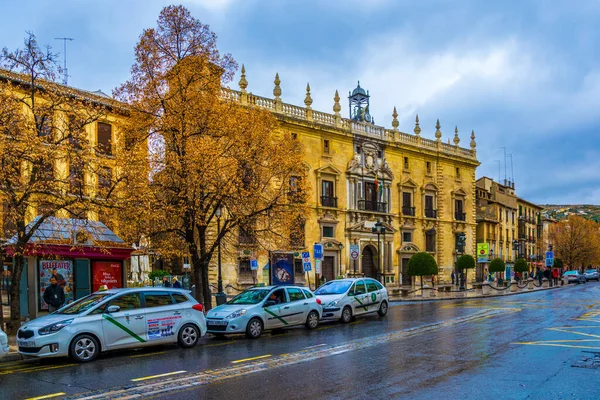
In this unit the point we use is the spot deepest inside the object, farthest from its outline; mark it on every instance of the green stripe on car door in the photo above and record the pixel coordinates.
(116, 323)
(276, 316)
(361, 303)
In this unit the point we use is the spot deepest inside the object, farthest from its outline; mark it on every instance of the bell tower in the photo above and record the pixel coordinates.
(358, 102)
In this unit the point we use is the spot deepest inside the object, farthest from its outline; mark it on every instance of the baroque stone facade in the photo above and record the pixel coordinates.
(421, 191)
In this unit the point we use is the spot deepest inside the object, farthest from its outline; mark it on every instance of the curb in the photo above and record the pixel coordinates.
(472, 297)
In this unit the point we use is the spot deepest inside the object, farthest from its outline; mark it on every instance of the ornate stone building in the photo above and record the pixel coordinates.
(421, 191)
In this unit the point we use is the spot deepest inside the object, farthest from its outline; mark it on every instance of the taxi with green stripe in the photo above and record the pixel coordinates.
(267, 307)
(114, 319)
(344, 299)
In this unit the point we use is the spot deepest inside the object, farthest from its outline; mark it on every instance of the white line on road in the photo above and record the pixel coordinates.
(158, 376)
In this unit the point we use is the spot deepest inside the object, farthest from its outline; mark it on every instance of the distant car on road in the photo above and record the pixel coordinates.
(261, 308)
(574, 276)
(344, 299)
(3, 343)
(592, 275)
(114, 319)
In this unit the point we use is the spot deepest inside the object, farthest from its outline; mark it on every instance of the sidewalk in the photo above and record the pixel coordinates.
(472, 293)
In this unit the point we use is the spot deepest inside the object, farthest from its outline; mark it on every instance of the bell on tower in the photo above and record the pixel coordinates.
(359, 105)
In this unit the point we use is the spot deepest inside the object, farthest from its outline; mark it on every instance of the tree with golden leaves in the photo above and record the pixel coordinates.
(208, 154)
(45, 152)
(576, 241)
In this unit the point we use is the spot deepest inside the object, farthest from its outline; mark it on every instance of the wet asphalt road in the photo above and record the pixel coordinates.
(543, 345)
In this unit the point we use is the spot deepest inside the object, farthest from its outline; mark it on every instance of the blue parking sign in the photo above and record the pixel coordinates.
(318, 251)
(253, 265)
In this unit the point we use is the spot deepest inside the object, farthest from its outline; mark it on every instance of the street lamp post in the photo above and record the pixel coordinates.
(220, 296)
(379, 229)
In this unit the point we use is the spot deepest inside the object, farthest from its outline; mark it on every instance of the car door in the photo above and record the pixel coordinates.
(272, 315)
(163, 316)
(359, 297)
(374, 295)
(126, 327)
(298, 307)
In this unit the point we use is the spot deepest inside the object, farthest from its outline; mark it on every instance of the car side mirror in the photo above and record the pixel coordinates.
(113, 309)
(269, 303)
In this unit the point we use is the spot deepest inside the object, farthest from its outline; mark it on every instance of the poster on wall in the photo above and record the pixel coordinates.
(62, 270)
(283, 269)
(107, 273)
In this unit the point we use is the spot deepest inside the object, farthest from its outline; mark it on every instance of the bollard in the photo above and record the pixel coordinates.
(513, 286)
(530, 284)
(426, 292)
(485, 288)
(544, 282)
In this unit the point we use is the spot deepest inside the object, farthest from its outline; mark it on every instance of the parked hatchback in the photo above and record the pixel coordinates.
(261, 308)
(592, 275)
(574, 276)
(3, 343)
(344, 299)
(114, 319)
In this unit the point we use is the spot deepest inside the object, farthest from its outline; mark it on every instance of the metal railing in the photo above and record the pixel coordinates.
(407, 210)
(327, 201)
(460, 216)
(368, 205)
(430, 213)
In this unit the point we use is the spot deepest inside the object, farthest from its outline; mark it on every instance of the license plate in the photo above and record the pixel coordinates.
(26, 343)
(217, 323)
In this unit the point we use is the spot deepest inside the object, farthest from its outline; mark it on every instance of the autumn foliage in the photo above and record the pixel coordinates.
(576, 241)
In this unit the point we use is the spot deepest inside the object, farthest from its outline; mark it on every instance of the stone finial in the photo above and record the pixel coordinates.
(395, 122)
(417, 129)
(277, 88)
(456, 138)
(473, 144)
(243, 83)
(438, 133)
(308, 100)
(336, 104)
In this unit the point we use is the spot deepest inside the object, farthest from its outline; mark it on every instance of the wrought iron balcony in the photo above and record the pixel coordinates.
(410, 211)
(460, 216)
(430, 213)
(327, 201)
(368, 205)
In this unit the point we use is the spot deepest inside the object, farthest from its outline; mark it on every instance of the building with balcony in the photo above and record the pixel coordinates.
(421, 190)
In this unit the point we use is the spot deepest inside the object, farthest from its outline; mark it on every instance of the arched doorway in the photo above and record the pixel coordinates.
(369, 265)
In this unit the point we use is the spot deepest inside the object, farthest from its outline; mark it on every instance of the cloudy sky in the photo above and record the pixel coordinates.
(525, 75)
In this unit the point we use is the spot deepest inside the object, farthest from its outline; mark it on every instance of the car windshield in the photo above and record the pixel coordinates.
(253, 296)
(591, 271)
(334, 287)
(85, 303)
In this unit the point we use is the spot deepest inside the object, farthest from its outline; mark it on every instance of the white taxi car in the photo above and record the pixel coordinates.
(344, 299)
(114, 319)
(261, 308)
(3, 343)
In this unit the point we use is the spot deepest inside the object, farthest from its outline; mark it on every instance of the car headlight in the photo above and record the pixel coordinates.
(236, 314)
(54, 327)
(333, 303)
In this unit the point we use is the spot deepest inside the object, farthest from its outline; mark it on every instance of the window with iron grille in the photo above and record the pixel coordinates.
(244, 270)
(430, 241)
(104, 138)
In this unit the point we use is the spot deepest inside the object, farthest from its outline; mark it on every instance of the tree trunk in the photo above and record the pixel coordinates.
(421, 281)
(206, 286)
(197, 265)
(15, 304)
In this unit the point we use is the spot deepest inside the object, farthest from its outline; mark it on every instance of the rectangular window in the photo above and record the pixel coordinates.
(126, 302)
(459, 215)
(76, 176)
(298, 268)
(328, 231)
(405, 162)
(358, 149)
(104, 179)
(407, 236)
(244, 268)
(158, 299)
(294, 136)
(295, 191)
(379, 154)
(295, 294)
(457, 173)
(428, 202)
(327, 189)
(428, 165)
(104, 138)
(430, 241)
(326, 146)
(406, 199)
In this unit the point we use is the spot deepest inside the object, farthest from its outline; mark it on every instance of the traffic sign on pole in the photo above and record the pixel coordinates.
(253, 265)
(354, 251)
(318, 251)
(549, 254)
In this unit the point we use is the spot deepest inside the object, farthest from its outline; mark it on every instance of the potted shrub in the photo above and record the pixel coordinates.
(464, 263)
(497, 265)
(421, 264)
(521, 266)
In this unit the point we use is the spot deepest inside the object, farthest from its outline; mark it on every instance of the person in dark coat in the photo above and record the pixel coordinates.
(166, 282)
(54, 295)
(548, 275)
(176, 283)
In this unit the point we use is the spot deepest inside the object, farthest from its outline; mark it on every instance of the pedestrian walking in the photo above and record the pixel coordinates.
(452, 277)
(166, 282)
(54, 295)
(548, 275)
(555, 276)
(176, 283)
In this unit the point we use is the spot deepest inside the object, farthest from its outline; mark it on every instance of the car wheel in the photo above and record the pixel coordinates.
(383, 309)
(254, 328)
(346, 315)
(84, 348)
(189, 335)
(312, 321)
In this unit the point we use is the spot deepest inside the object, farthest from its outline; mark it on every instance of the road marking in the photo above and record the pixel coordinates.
(145, 378)
(316, 345)
(356, 322)
(250, 359)
(148, 354)
(34, 369)
(218, 344)
(47, 396)
(193, 381)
